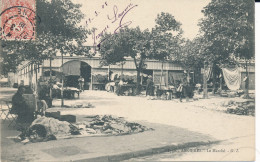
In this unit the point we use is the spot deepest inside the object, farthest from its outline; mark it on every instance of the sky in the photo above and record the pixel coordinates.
(100, 14)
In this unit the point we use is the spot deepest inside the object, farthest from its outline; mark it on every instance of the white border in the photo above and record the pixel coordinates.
(257, 51)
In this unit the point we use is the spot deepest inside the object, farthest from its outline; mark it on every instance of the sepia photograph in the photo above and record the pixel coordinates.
(127, 80)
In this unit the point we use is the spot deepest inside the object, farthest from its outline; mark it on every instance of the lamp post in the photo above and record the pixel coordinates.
(205, 86)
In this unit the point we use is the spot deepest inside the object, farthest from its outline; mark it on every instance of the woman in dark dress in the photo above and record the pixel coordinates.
(149, 87)
(21, 108)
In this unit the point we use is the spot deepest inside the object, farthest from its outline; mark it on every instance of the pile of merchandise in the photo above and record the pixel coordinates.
(48, 128)
(45, 129)
(109, 125)
(79, 105)
(241, 108)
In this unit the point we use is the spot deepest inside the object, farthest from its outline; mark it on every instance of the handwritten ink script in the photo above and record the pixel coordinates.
(115, 20)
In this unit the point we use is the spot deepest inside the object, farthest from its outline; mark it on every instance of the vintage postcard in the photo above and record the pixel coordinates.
(127, 80)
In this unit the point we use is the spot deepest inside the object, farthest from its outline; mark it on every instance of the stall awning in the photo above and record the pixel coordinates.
(71, 68)
(126, 75)
(100, 73)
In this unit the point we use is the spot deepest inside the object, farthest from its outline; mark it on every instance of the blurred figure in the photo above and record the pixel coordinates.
(21, 108)
(180, 91)
(149, 87)
(81, 83)
(198, 88)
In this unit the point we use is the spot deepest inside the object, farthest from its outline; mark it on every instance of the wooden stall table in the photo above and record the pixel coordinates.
(127, 87)
(167, 92)
(98, 86)
(69, 92)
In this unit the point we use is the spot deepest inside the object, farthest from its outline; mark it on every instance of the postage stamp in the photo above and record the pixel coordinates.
(18, 19)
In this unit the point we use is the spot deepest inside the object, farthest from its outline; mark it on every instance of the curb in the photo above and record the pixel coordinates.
(151, 151)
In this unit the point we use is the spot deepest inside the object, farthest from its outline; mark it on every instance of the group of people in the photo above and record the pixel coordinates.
(25, 111)
(183, 89)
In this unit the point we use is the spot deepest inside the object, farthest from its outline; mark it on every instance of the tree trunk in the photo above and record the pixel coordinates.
(188, 76)
(30, 71)
(62, 82)
(247, 81)
(161, 76)
(108, 73)
(221, 81)
(139, 67)
(50, 79)
(36, 81)
(122, 70)
(138, 82)
(214, 70)
(205, 86)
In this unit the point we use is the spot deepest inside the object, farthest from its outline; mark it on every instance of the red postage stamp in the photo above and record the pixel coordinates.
(18, 19)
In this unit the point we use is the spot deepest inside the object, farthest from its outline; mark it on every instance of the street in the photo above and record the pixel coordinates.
(230, 149)
(204, 116)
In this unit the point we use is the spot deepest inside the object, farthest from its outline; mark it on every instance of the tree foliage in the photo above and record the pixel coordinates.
(167, 37)
(128, 43)
(228, 30)
(190, 56)
(161, 43)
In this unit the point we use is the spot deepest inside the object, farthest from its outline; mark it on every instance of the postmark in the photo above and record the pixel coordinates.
(18, 22)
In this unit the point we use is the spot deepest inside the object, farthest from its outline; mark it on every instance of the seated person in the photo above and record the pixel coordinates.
(41, 107)
(21, 108)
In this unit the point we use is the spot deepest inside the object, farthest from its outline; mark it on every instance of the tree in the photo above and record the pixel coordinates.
(166, 38)
(228, 31)
(56, 32)
(132, 43)
(158, 44)
(189, 56)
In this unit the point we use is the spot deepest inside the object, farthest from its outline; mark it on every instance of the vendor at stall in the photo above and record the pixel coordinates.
(81, 83)
(149, 87)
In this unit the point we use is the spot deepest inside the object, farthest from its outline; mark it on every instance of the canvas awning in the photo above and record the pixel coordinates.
(71, 68)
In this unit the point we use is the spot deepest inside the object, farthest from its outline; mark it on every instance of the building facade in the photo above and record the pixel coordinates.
(94, 74)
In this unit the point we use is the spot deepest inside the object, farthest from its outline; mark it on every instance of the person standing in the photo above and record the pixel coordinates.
(149, 87)
(180, 91)
(81, 83)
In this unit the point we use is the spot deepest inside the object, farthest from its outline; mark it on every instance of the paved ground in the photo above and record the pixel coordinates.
(204, 116)
(162, 139)
(174, 123)
(223, 151)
